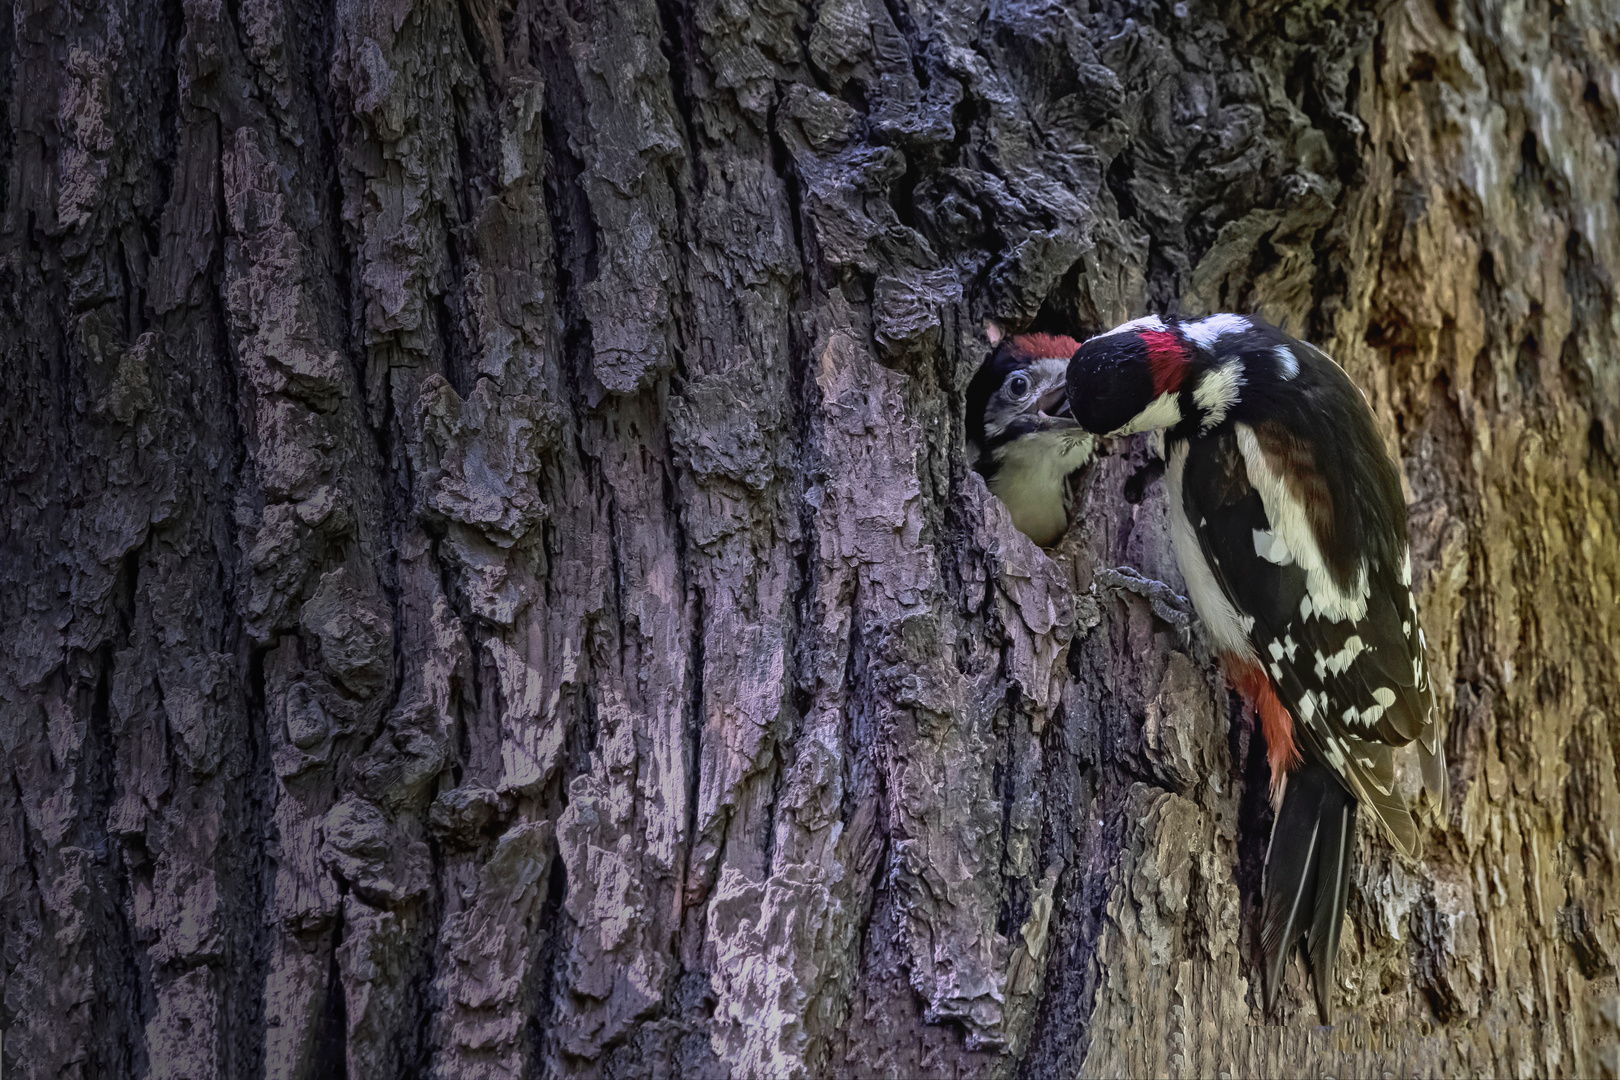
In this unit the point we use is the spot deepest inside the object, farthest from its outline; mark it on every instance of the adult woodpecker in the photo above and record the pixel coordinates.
(1023, 442)
(1287, 518)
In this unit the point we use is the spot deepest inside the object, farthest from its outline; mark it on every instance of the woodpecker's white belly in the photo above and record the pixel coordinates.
(1228, 630)
(1030, 479)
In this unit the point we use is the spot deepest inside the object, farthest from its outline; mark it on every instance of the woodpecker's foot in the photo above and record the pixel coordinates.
(1169, 605)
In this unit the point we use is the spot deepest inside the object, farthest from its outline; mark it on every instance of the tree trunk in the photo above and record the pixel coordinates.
(492, 585)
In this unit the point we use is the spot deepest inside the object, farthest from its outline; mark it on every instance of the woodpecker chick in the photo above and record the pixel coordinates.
(1287, 518)
(1024, 443)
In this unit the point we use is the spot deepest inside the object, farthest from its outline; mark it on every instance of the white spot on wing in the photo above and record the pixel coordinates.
(1384, 696)
(1272, 548)
(1205, 332)
(1335, 756)
(1287, 362)
(1339, 661)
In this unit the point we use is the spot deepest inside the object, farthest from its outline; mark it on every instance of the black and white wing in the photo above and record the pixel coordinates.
(1346, 658)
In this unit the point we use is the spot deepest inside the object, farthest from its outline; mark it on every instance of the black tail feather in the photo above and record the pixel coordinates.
(1307, 881)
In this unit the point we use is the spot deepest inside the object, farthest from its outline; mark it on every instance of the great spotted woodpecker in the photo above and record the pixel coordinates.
(1287, 518)
(1024, 444)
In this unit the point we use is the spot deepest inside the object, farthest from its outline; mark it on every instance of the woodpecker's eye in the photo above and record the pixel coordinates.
(1018, 385)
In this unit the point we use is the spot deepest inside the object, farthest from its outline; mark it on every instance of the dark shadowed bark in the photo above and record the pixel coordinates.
(491, 586)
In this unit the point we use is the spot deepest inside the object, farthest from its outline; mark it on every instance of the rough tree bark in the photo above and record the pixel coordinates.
(490, 583)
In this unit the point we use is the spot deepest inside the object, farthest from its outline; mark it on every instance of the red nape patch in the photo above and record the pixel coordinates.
(1276, 721)
(1045, 346)
(1167, 360)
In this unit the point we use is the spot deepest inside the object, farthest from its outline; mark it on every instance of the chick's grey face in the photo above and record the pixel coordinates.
(1036, 392)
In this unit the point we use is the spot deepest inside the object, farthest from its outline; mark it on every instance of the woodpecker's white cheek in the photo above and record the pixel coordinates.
(1163, 412)
(1205, 332)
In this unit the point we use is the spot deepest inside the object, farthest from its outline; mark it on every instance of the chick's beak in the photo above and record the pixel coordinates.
(1054, 402)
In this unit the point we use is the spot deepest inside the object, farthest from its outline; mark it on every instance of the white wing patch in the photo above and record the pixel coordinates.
(1341, 660)
(1286, 647)
(1287, 362)
(1335, 756)
(1226, 628)
(1217, 391)
(1274, 549)
(1205, 332)
(1289, 522)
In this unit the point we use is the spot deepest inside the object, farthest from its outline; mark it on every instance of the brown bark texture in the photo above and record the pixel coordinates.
(491, 583)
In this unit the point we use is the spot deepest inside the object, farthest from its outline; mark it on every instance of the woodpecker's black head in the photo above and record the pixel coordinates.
(1128, 379)
(1019, 390)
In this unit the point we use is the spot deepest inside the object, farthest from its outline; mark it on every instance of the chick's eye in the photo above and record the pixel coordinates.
(1018, 386)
